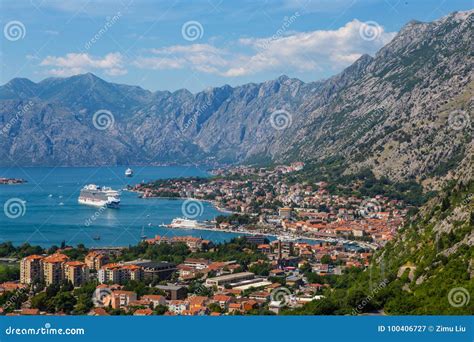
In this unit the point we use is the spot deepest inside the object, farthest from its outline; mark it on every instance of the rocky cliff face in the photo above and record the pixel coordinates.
(405, 113)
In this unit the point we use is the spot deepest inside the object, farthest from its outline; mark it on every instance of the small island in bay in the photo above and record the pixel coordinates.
(12, 181)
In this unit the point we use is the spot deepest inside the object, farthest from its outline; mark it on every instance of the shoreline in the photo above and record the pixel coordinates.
(222, 210)
(277, 236)
(246, 232)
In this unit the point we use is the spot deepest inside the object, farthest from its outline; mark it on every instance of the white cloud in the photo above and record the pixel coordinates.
(295, 52)
(306, 51)
(76, 63)
(200, 57)
(291, 53)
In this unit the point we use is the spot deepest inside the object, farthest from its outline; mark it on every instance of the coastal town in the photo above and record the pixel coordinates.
(265, 277)
(296, 240)
(263, 201)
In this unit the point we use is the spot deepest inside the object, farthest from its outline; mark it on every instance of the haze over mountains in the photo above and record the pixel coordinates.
(388, 112)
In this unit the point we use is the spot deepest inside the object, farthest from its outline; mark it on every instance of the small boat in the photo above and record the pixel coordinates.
(96, 237)
(128, 172)
(50, 195)
(61, 204)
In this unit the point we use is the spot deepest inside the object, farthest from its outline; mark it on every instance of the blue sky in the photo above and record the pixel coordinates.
(168, 45)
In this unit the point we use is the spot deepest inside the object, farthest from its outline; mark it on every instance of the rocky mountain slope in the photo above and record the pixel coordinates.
(405, 113)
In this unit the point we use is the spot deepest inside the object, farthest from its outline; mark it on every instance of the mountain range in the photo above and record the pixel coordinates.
(405, 113)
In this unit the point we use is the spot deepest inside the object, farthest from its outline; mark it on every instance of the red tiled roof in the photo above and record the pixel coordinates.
(34, 257)
(29, 312)
(57, 257)
(75, 263)
(143, 312)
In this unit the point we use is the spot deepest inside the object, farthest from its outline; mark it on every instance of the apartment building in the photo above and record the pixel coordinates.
(53, 268)
(76, 272)
(119, 273)
(95, 260)
(31, 269)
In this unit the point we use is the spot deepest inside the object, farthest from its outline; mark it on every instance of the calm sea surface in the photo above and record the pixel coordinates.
(51, 214)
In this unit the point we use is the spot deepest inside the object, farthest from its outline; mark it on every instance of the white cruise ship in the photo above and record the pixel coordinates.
(183, 223)
(99, 196)
(128, 172)
(190, 224)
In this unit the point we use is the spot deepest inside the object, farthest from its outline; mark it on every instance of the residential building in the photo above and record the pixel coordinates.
(53, 268)
(95, 260)
(229, 279)
(76, 272)
(31, 269)
(173, 292)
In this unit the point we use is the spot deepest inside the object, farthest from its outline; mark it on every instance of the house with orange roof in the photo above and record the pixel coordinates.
(10, 286)
(197, 302)
(121, 299)
(143, 312)
(29, 312)
(155, 300)
(249, 305)
(177, 306)
(98, 312)
(223, 300)
(264, 248)
(235, 307)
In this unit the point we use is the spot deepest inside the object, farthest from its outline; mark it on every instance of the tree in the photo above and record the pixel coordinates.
(262, 269)
(64, 302)
(40, 301)
(52, 290)
(214, 307)
(9, 273)
(160, 310)
(326, 259)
